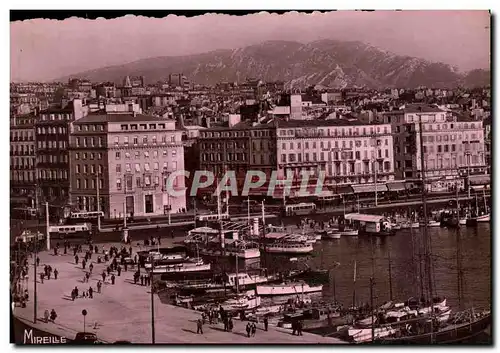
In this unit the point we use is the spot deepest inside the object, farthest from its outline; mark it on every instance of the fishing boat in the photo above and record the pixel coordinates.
(372, 225)
(332, 234)
(433, 223)
(187, 265)
(243, 301)
(287, 289)
(282, 243)
(349, 232)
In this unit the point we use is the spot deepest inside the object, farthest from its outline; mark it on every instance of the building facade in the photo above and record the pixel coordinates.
(141, 153)
(453, 146)
(23, 160)
(348, 152)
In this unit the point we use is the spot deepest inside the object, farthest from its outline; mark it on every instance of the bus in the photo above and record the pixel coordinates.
(82, 232)
(303, 208)
(84, 216)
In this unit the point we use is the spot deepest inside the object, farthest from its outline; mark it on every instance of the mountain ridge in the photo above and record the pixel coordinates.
(331, 63)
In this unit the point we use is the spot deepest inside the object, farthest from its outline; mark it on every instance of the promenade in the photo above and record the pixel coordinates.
(123, 311)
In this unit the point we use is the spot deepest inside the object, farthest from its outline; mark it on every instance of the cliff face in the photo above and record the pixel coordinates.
(329, 63)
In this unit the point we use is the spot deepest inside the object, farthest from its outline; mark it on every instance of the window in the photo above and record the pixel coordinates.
(165, 165)
(137, 168)
(157, 180)
(127, 167)
(92, 168)
(85, 184)
(84, 155)
(118, 168)
(146, 167)
(138, 182)
(117, 140)
(118, 184)
(78, 184)
(127, 155)
(154, 140)
(172, 138)
(92, 155)
(174, 153)
(147, 180)
(77, 169)
(125, 140)
(156, 166)
(174, 165)
(85, 169)
(283, 156)
(164, 139)
(136, 139)
(77, 142)
(117, 155)
(165, 154)
(145, 140)
(146, 154)
(137, 154)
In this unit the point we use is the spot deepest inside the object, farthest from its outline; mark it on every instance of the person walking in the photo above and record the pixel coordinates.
(254, 329)
(91, 267)
(299, 328)
(46, 315)
(199, 325)
(112, 279)
(99, 285)
(76, 259)
(266, 323)
(55, 273)
(91, 292)
(248, 329)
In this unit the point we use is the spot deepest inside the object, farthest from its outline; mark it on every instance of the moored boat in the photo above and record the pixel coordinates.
(287, 289)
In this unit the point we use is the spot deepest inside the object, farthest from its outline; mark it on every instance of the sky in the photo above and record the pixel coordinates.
(42, 50)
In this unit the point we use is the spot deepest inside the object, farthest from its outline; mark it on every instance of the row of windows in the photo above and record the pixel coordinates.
(52, 174)
(89, 168)
(322, 144)
(21, 134)
(135, 140)
(88, 142)
(231, 145)
(451, 126)
(53, 117)
(146, 181)
(440, 162)
(216, 134)
(89, 203)
(90, 156)
(27, 176)
(23, 162)
(51, 130)
(350, 169)
(146, 168)
(22, 148)
(137, 154)
(452, 137)
(345, 131)
(88, 183)
(350, 155)
(52, 158)
(52, 144)
(126, 127)
(88, 127)
(241, 157)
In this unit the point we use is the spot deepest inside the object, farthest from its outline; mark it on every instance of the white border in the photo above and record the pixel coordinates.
(189, 4)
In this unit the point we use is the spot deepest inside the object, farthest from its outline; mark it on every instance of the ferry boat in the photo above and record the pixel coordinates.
(332, 234)
(211, 242)
(186, 266)
(282, 243)
(287, 289)
(349, 232)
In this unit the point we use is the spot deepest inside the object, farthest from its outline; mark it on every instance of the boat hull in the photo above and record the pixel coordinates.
(280, 290)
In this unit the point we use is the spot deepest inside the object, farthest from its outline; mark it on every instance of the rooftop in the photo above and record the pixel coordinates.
(421, 108)
(119, 118)
(322, 123)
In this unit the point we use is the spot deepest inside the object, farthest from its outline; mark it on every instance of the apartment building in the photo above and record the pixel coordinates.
(453, 145)
(22, 160)
(347, 151)
(139, 154)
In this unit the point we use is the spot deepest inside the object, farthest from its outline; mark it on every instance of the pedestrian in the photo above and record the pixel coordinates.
(76, 292)
(87, 275)
(74, 251)
(48, 274)
(142, 280)
(38, 261)
(113, 279)
(130, 251)
(254, 329)
(42, 275)
(65, 249)
(103, 276)
(266, 323)
(73, 295)
(294, 327)
(46, 315)
(199, 325)
(249, 329)
(55, 251)
(99, 285)
(91, 292)
(172, 234)
(119, 270)
(230, 325)
(135, 258)
(91, 267)
(299, 328)
(53, 315)
(108, 270)
(84, 263)
(125, 266)
(55, 273)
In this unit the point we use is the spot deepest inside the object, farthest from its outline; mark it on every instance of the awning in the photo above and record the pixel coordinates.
(482, 179)
(342, 189)
(360, 188)
(396, 186)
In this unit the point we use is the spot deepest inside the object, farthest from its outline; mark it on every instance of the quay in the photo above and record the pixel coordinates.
(123, 311)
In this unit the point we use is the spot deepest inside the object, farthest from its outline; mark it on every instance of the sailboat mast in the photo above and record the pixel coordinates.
(426, 223)
(485, 205)
(390, 274)
(354, 287)
(263, 216)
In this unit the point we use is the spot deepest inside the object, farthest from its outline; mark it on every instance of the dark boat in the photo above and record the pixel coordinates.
(449, 334)
(319, 276)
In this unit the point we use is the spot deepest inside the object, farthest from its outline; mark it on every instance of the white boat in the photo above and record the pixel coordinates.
(244, 301)
(483, 218)
(349, 232)
(396, 226)
(288, 248)
(462, 221)
(332, 235)
(434, 224)
(359, 335)
(190, 265)
(415, 225)
(287, 289)
(317, 236)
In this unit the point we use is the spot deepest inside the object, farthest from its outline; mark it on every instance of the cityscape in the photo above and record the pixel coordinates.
(278, 192)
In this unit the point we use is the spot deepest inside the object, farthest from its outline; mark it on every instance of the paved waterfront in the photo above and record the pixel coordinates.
(122, 311)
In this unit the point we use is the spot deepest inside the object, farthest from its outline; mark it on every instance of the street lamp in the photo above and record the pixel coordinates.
(84, 313)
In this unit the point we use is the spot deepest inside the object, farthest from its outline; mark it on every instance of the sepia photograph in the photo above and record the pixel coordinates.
(250, 177)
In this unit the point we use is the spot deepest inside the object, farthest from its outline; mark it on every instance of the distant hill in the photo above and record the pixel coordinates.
(330, 63)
